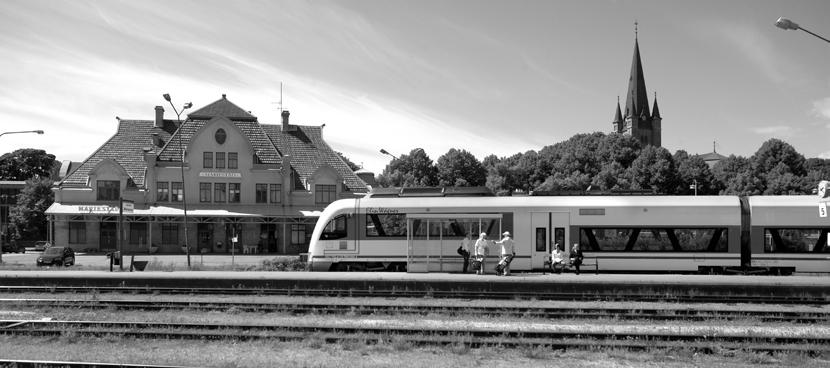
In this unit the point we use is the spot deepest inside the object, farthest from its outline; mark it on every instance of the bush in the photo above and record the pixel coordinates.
(284, 264)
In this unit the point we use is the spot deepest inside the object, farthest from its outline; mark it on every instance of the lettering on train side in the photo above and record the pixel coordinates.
(381, 210)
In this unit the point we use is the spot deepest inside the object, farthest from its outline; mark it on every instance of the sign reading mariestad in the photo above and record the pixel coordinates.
(97, 209)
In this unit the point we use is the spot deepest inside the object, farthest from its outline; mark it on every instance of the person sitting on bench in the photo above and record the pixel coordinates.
(557, 260)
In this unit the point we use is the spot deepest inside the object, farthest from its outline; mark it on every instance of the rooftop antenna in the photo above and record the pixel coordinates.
(280, 101)
(713, 147)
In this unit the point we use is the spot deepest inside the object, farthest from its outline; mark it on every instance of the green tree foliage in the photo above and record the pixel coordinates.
(27, 220)
(691, 170)
(461, 169)
(413, 170)
(726, 174)
(653, 169)
(26, 163)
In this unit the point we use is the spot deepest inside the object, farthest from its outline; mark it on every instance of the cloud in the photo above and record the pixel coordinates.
(821, 108)
(777, 131)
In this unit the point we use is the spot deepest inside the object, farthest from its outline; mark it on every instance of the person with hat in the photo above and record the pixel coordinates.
(481, 252)
(508, 251)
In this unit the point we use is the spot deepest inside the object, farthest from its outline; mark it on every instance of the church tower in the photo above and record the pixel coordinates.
(636, 120)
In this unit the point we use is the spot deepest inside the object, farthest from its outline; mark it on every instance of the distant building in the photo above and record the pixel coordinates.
(712, 158)
(637, 121)
(260, 184)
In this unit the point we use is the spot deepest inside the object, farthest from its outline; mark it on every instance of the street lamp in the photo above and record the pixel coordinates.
(5, 231)
(385, 152)
(184, 193)
(785, 24)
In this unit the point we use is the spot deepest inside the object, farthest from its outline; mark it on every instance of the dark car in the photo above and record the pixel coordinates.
(58, 256)
(12, 247)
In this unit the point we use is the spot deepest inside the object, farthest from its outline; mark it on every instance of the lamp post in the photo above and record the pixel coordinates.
(184, 193)
(5, 230)
(385, 152)
(785, 24)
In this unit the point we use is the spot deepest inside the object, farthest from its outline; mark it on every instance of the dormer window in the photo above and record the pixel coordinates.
(109, 190)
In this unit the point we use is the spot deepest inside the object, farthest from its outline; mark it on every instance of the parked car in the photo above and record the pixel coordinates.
(58, 256)
(12, 247)
(41, 245)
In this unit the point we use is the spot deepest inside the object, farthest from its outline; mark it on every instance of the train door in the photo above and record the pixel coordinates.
(547, 229)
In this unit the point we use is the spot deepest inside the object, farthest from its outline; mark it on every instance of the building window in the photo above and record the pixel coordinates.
(297, 234)
(176, 191)
(204, 192)
(162, 191)
(234, 192)
(138, 232)
(276, 193)
(77, 232)
(220, 160)
(207, 162)
(324, 193)
(262, 193)
(109, 190)
(219, 193)
(170, 233)
(233, 160)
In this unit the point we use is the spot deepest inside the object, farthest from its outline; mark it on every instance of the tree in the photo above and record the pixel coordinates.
(27, 219)
(693, 170)
(413, 170)
(461, 169)
(654, 170)
(726, 173)
(26, 163)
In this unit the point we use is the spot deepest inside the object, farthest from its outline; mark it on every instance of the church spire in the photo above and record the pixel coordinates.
(636, 103)
(618, 116)
(655, 112)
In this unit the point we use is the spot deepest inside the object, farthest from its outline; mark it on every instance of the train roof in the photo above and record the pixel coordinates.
(792, 211)
(555, 201)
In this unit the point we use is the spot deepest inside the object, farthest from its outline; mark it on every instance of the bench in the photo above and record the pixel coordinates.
(586, 261)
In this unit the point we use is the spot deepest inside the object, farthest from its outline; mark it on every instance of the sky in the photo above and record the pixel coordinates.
(487, 76)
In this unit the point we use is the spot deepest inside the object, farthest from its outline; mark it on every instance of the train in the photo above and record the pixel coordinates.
(617, 233)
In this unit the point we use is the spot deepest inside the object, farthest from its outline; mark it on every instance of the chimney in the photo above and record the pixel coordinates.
(285, 124)
(159, 117)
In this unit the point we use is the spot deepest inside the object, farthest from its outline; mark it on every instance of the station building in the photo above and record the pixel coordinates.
(218, 176)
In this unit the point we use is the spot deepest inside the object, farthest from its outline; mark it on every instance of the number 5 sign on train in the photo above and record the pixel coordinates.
(823, 194)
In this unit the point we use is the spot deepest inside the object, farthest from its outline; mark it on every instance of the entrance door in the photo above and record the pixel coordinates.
(547, 229)
(205, 236)
(108, 235)
(417, 257)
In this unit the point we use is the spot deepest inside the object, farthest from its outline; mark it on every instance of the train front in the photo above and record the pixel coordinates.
(325, 235)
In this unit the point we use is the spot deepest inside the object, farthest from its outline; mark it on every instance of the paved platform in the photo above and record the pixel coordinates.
(798, 287)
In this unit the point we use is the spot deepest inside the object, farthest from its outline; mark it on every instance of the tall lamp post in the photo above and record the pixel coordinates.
(385, 152)
(785, 24)
(5, 230)
(184, 194)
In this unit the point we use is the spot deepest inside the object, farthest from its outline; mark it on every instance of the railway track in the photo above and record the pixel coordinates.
(361, 308)
(437, 294)
(442, 333)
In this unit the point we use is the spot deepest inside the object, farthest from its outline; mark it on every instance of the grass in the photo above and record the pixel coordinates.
(315, 352)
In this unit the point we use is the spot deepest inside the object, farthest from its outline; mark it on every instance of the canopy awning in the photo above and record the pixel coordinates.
(165, 211)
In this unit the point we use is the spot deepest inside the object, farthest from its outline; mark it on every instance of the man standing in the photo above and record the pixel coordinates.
(465, 250)
(481, 252)
(508, 251)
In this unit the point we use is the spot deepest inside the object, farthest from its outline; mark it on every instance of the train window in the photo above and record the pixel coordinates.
(796, 240)
(385, 225)
(654, 240)
(335, 229)
(541, 239)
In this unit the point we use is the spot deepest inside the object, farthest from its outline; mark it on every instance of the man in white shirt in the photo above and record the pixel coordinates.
(481, 252)
(508, 251)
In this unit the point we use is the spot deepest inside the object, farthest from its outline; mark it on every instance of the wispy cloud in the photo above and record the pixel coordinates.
(777, 131)
(821, 108)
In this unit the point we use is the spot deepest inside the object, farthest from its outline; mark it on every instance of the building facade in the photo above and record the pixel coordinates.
(637, 121)
(219, 181)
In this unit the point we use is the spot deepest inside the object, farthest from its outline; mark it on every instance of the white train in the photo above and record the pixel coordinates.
(781, 234)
